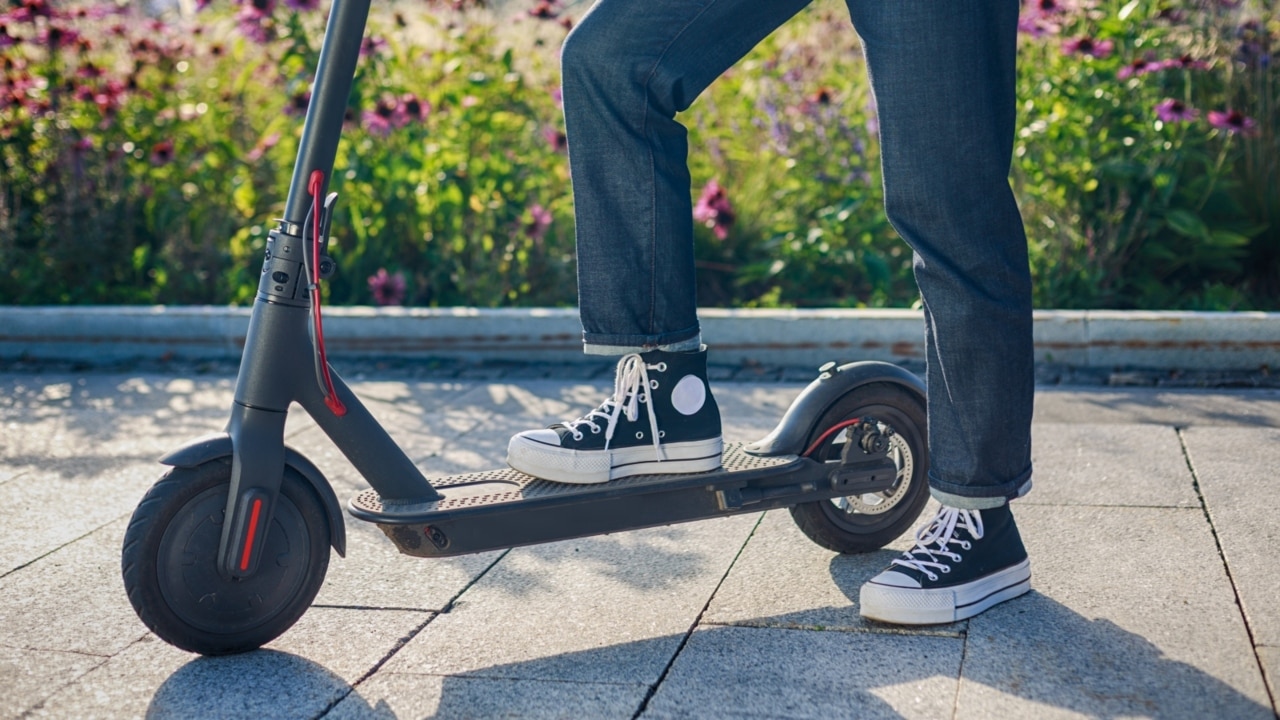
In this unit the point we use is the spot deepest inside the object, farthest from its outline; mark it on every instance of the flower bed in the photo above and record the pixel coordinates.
(144, 158)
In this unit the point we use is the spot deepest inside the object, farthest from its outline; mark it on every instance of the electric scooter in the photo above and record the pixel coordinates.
(229, 548)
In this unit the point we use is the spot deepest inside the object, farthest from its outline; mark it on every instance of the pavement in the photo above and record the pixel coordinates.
(1152, 531)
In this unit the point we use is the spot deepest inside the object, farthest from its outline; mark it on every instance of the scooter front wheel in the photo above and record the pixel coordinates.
(170, 559)
(862, 523)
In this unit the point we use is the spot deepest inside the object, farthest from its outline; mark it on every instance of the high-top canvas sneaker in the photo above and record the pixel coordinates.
(963, 562)
(661, 418)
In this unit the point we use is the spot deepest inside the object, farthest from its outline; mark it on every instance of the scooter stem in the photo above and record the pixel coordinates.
(277, 366)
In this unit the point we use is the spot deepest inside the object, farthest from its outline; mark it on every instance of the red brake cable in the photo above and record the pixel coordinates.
(316, 186)
(833, 430)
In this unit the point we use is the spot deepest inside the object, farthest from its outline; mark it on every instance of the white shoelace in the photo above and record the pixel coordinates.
(631, 386)
(935, 539)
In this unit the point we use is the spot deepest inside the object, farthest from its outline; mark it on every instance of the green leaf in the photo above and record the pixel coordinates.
(1186, 223)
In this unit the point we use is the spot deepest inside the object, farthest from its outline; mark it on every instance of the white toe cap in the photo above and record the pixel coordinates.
(895, 579)
(545, 436)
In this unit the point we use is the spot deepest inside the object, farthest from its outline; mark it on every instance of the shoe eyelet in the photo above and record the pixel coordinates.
(644, 398)
(653, 384)
(945, 569)
(577, 436)
(966, 545)
(639, 436)
(932, 577)
(662, 434)
(595, 429)
(661, 367)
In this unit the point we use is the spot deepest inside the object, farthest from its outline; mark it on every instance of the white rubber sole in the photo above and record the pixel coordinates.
(916, 606)
(586, 467)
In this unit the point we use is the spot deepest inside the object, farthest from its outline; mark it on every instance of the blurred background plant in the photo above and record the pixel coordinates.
(145, 154)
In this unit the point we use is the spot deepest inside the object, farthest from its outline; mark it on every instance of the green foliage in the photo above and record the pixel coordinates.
(143, 161)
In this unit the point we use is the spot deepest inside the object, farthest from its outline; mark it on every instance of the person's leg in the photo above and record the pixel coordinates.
(628, 68)
(943, 76)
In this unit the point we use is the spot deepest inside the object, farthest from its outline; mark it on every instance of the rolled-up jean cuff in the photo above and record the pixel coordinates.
(599, 344)
(967, 497)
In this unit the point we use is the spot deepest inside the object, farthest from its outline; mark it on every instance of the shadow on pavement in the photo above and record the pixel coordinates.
(263, 683)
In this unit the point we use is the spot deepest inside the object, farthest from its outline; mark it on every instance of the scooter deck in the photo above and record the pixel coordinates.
(506, 508)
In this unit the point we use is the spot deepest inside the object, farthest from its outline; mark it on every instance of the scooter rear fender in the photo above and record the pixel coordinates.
(797, 425)
(218, 445)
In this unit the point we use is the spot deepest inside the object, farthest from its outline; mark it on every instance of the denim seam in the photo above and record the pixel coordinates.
(653, 169)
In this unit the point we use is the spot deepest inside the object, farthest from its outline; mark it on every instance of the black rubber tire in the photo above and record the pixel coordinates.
(169, 562)
(835, 529)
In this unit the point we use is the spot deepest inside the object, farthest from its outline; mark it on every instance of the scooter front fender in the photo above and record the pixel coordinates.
(218, 445)
(797, 425)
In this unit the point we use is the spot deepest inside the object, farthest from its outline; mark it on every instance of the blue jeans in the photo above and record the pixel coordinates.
(943, 76)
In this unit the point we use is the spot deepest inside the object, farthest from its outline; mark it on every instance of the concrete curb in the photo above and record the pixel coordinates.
(1077, 338)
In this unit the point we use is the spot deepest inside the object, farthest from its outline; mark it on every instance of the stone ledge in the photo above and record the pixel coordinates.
(784, 338)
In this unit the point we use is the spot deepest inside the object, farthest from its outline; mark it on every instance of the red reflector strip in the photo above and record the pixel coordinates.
(253, 530)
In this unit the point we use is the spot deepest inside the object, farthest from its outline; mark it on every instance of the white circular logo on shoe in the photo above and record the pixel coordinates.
(689, 395)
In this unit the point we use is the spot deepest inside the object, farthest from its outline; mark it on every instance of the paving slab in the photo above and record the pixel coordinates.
(1154, 406)
(375, 574)
(31, 676)
(1140, 465)
(1269, 657)
(603, 609)
(48, 508)
(1131, 615)
(72, 600)
(388, 696)
(302, 673)
(1237, 470)
(783, 579)
(734, 672)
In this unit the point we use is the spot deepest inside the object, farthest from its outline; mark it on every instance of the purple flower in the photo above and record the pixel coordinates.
(1173, 111)
(555, 138)
(372, 45)
(1088, 46)
(1137, 68)
(387, 289)
(303, 4)
(1232, 121)
(714, 210)
(413, 109)
(1184, 62)
(162, 153)
(56, 36)
(545, 10)
(540, 220)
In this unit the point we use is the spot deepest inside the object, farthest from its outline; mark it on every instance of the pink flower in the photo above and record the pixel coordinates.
(1185, 62)
(413, 108)
(545, 10)
(714, 210)
(555, 138)
(1172, 111)
(372, 45)
(162, 153)
(387, 289)
(56, 36)
(541, 218)
(1088, 46)
(262, 147)
(1137, 68)
(1232, 121)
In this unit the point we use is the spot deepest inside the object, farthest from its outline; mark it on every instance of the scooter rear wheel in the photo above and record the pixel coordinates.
(863, 523)
(169, 562)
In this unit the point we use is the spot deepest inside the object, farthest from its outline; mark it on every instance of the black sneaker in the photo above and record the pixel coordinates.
(661, 418)
(963, 562)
